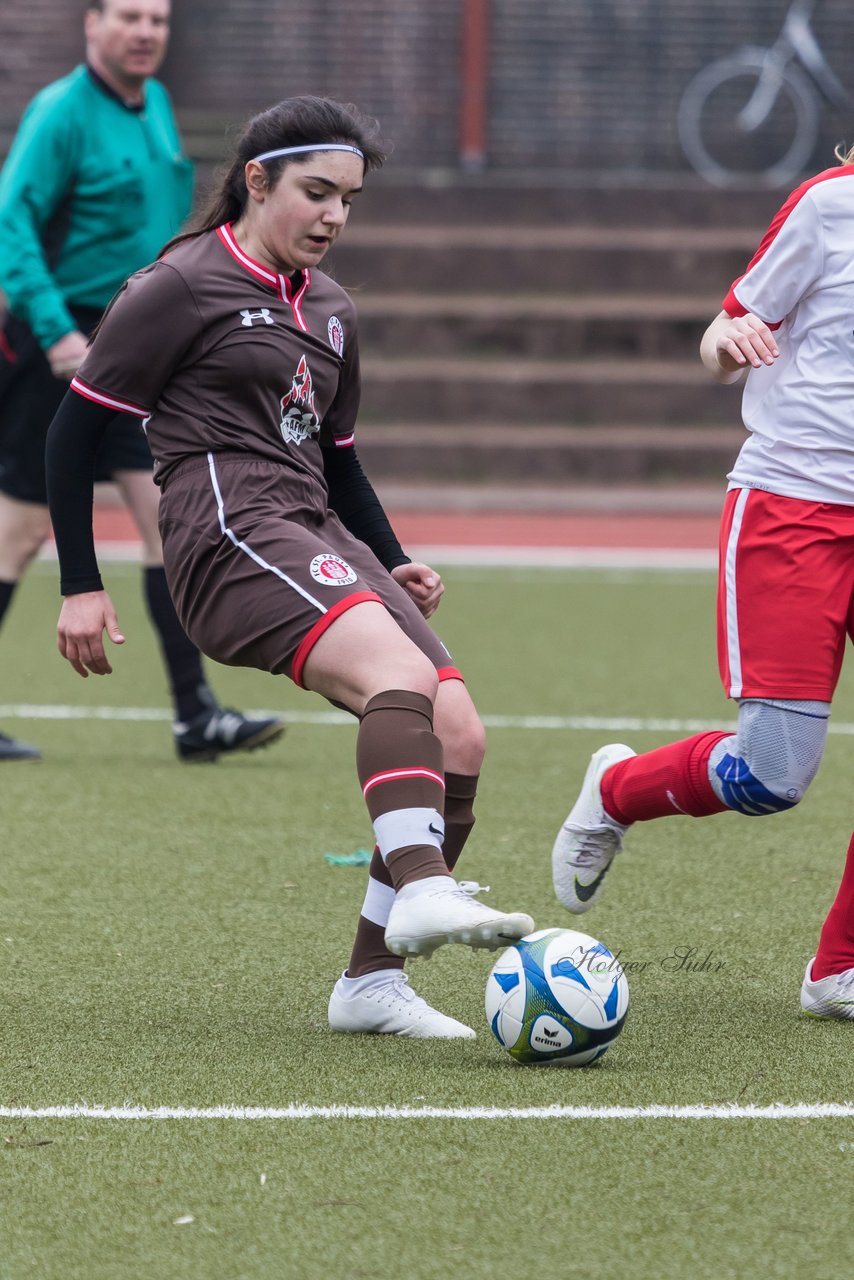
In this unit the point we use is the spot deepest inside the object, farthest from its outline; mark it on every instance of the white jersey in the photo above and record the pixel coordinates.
(800, 409)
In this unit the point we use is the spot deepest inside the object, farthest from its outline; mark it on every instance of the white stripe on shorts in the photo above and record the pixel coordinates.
(247, 550)
(731, 599)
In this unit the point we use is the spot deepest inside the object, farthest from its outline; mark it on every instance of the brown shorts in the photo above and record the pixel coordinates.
(258, 574)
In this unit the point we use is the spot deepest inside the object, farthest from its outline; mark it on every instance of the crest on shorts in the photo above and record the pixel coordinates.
(335, 329)
(331, 571)
(299, 416)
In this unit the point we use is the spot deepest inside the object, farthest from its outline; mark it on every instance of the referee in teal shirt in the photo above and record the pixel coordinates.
(94, 185)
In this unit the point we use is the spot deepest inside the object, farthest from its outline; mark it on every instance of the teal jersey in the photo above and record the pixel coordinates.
(90, 192)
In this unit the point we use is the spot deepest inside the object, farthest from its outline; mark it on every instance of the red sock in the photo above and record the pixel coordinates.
(836, 945)
(659, 784)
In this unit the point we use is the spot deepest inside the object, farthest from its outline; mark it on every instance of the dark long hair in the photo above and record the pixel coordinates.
(296, 122)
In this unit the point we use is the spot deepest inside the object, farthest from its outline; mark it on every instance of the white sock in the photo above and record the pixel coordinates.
(429, 885)
(353, 986)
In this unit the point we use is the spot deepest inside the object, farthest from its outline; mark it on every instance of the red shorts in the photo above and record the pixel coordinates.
(785, 595)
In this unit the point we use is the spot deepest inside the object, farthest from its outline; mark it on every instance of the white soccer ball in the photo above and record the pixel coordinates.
(557, 997)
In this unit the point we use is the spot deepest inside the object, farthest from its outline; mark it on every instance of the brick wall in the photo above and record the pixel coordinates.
(589, 86)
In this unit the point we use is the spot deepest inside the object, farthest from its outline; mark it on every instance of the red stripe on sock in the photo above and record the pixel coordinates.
(400, 775)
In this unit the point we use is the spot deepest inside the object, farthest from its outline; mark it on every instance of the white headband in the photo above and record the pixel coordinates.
(318, 146)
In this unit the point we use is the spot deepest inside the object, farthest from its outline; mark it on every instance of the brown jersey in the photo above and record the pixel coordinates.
(222, 355)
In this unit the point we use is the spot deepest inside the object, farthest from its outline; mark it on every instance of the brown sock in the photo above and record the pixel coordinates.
(369, 950)
(460, 791)
(399, 760)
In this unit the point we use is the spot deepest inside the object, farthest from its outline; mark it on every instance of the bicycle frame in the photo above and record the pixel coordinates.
(806, 48)
(796, 42)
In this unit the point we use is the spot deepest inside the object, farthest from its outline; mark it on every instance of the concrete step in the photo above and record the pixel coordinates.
(527, 392)
(402, 194)
(443, 259)
(533, 325)
(678, 200)
(510, 326)
(471, 235)
(502, 454)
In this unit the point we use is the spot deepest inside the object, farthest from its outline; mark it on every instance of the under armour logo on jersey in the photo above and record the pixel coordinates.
(249, 317)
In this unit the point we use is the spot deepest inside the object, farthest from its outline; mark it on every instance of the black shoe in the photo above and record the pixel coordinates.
(219, 730)
(12, 749)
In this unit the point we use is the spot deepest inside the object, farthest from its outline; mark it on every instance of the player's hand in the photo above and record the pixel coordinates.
(745, 340)
(66, 356)
(423, 584)
(80, 631)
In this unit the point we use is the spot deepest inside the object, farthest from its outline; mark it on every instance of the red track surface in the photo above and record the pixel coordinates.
(510, 529)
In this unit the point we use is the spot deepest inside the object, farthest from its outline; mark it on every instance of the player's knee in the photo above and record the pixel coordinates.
(769, 764)
(460, 728)
(755, 791)
(470, 747)
(21, 542)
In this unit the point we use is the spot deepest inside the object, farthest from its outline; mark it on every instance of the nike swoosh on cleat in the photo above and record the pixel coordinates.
(584, 892)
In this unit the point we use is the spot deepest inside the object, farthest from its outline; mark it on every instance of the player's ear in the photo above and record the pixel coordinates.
(256, 180)
(91, 22)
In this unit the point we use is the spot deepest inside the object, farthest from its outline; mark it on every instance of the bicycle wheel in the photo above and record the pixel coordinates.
(717, 144)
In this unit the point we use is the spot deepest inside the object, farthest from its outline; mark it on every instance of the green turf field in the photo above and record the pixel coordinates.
(169, 936)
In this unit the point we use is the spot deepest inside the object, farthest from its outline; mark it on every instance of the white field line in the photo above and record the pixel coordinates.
(663, 558)
(297, 1111)
(598, 724)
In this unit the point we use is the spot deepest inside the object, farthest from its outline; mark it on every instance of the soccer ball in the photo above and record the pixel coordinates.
(557, 997)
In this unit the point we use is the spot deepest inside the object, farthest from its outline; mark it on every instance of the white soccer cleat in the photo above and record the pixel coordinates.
(830, 997)
(588, 841)
(430, 913)
(383, 1003)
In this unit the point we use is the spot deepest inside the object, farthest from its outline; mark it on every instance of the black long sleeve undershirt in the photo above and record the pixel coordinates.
(72, 444)
(352, 498)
